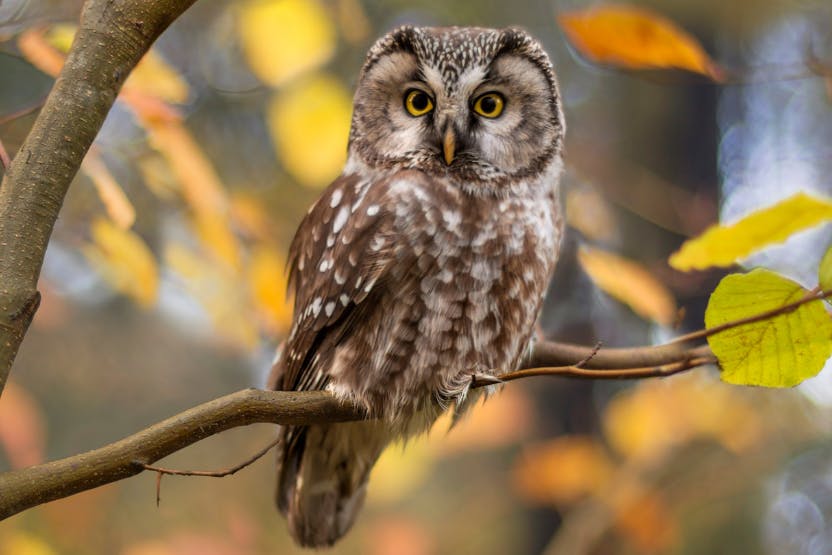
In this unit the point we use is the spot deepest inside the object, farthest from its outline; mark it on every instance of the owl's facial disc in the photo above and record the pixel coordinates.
(472, 104)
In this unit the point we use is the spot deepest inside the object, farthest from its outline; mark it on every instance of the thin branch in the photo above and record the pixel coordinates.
(213, 473)
(620, 374)
(13, 115)
(4, 156)
(814, 295)
(161, 471)
(112, 37)
(40, 484)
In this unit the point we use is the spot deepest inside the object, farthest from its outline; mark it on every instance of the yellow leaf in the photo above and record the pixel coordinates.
(630, 283)
(124, 261)
(563, 470)
(310, 122)
(250, 217)
(634, 38)
(284, 38)
(217, 289)
(61, 35)
(400, 470)
(646, 423)
(118, 206)
(155, 77)
(723, 245)
(589, 213)
(267, 278)
(825, 271)
(22, 543)
(200, 186)
(778, 352)
(37, 50)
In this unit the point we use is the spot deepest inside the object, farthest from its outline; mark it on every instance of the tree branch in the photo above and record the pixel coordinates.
(29, 487)
(112, 38)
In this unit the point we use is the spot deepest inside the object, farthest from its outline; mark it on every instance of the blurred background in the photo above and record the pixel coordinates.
(164, 287)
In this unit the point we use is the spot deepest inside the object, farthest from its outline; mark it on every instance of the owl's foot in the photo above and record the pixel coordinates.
(456, 388)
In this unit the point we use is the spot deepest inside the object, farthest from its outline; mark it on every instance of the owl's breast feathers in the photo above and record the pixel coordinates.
(404, 283)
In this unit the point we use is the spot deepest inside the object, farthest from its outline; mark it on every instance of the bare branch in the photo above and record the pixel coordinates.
(112, 38)
(5, 161)
(40, 484)
(33, 486)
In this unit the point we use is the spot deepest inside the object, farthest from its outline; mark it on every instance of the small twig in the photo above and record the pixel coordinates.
(211, 473)
(583, 362)
(159, 488)
(11, 116)
(4, 156)
(619, 374)
(814, 295)
(160, 471)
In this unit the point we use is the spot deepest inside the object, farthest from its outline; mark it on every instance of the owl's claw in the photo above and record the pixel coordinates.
(480, 380)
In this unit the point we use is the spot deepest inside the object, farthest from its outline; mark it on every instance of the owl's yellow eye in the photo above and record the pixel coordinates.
(417, 103)
(489, 105)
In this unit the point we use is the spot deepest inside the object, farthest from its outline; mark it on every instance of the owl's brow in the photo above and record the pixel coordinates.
(491, 79)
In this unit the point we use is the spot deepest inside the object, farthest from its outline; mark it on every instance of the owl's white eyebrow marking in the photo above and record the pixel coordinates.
(336, 198)
(340, 219)
(330, 308)
(372, 210)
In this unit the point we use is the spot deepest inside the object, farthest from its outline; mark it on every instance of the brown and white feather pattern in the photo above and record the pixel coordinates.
(410, 273)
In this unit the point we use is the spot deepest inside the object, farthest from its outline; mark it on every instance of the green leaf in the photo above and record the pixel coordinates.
(778, 352)
(825, 271)
(723, 245)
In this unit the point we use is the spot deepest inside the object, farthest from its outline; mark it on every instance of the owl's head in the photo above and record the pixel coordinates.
(477, 105)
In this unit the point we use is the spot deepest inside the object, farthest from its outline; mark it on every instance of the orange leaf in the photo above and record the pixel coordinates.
(505, 419)
(200, 185)
(37, 50)
(267, 277)
(647, 522)
(118, 206)
(634, 38)
(22, 429)
(630, 283)
(124, 260)
(589, 213)
(647, 422)
(563, 470)
(399, 535)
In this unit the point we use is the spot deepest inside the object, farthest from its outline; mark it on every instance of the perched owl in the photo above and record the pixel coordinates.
(426, 261)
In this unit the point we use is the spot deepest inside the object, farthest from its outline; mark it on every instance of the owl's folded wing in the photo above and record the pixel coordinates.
(338, 260)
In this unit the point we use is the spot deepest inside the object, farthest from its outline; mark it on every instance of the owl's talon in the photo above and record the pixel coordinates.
(480, 380)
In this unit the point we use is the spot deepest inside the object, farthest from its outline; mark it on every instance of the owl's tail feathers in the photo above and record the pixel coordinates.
(322, 477)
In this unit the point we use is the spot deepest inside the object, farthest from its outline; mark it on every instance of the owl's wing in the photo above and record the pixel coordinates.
(341, 251)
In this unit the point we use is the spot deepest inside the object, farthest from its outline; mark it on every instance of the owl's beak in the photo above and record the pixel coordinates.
(449, 145)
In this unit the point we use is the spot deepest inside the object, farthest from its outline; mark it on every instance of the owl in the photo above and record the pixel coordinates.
(426, 261)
